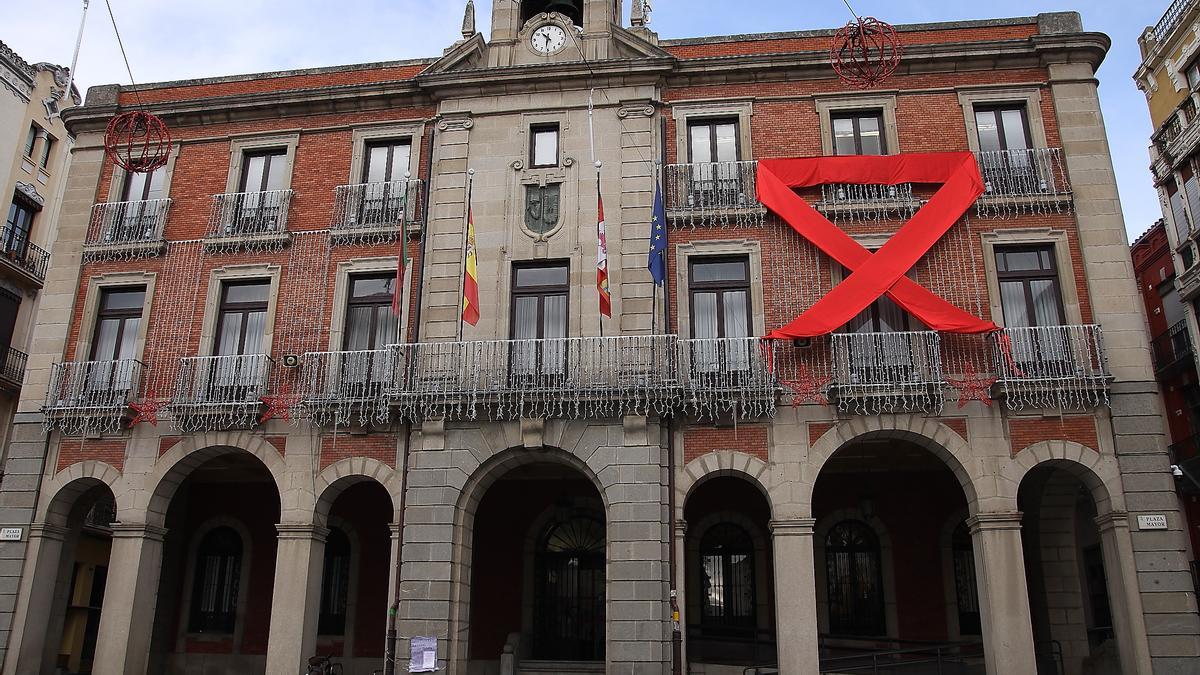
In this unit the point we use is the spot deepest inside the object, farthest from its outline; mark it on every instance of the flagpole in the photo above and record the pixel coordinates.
(654, 287)
(466, 238)
(75, 59)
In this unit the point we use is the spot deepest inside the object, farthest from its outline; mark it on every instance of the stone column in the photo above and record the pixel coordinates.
(680, 544)
(130, 596)
(795, 596)
(1120, 571)
(296, 601)
(29, 647)
(1003, 596)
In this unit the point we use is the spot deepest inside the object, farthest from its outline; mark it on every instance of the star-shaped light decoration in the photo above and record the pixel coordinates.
(147, 409)
(279, 405)
(973, 386)
(807, 387)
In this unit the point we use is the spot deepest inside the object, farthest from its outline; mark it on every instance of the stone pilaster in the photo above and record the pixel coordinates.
(296, 602)
(1003, 595)
(31, 623)
(795, 596)
(1129, 622)
(130, 596)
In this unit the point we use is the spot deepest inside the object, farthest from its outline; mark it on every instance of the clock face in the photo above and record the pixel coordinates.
(548, 39)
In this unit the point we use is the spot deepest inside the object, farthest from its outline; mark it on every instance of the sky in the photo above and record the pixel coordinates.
(173, 39)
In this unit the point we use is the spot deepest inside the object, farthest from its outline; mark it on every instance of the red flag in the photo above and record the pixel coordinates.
(470, 301)
(602, 259)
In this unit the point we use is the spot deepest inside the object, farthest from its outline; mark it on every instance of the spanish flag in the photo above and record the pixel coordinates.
(470, 301)
(602, 256)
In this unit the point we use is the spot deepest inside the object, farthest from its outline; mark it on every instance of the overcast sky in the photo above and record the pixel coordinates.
(173, 39)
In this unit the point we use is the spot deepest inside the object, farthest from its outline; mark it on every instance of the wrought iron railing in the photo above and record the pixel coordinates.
(712, 193)
(887, 372)
(1172, 347)
(117, 223)
(565, 377)
(722, 376)
(12, 364)
(854, 201)
(1023, 180)
(336, 387)
(242, 214)
(219, 392)
(16, 250)
(376, 205)
(1051, 366)
(91, 395)
(1171, 18)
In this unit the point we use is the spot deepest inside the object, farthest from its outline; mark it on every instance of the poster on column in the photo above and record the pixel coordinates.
(422, 655)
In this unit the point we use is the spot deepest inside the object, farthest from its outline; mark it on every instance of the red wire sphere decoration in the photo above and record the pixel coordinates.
(137, 141)
(865, 52)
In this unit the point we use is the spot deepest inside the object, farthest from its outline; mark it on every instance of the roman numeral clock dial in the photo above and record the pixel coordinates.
(548, 39)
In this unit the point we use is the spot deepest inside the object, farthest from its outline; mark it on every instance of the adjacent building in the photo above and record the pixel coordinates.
(294, 434)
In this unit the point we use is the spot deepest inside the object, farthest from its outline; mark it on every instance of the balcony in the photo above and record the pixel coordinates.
(249, 220)
(876, 373)
(1171, 19)
(1021, 182)
(1172, 349)
(91, 396)
(12, 369)
(20, 260)
(712, 194)
(375, 212)
(220, 392)
(728, 376)
(510, 379)
(854, 202)
(127, 230)
(340, 387)
(1051, 367)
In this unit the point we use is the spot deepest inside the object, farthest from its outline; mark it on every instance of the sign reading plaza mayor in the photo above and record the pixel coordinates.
(1153, 521)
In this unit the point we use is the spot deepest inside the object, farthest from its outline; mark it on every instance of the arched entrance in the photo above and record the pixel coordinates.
(889, 580)
(537, 562)
(1066, 573)
(218, 566)
(729, 576)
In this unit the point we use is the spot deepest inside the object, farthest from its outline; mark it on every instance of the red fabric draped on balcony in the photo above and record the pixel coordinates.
(874, 274)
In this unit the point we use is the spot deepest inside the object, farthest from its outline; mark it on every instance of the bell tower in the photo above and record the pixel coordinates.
(588, 24)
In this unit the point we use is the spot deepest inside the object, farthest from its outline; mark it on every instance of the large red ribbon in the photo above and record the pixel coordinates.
(883, 272)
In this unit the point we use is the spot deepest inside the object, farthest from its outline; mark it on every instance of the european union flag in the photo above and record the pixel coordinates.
(657, 263)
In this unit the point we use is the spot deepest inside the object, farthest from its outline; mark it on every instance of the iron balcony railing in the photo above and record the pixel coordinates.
(16, 250)
(728, 375)
(1033, 172)
(712, 193)
(887, 372)
(12, 364)
(1171, 18)
(221, 380)
(118, 223)
(337, 386)
(101, 386)
(1172, 347)
(1051, 366)
(588, 376)
(242, 214)
(376, 205)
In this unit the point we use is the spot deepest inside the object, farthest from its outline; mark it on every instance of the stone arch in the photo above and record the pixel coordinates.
(722, 463)
(344, 473)
(67, 486)
(939, 439)
(177, 463)
(1099, 473)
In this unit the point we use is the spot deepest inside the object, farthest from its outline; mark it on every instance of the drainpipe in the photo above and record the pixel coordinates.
(389, 653)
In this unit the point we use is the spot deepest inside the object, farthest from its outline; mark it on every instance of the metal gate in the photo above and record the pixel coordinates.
(568, 611)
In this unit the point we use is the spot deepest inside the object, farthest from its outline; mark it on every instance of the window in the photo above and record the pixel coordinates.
(1192, 72)
(1179, 215)
(263, 171)
(965, 586)
(1171, 304)
(713, 152)
(10, 304)
(118, 319)
(568, 605)
(370, 327)
(539, 312)
(713, 140)
(1002, 128)
(386, 162)
(335, 584)
(216, 580)
(31, 140)
(543, 146)
(854, 577)
(858, 133)
(14, 240)
(1029, 293)
(243, 316)
(727, 586)
(141, 186)
(719, 294)
(47, 150)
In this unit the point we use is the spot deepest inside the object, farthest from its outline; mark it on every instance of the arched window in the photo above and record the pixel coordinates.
(572, 9)
(215, 586)
(569, 591)
(335, 584)
(727, 578)
(854, 576)
(965, 588)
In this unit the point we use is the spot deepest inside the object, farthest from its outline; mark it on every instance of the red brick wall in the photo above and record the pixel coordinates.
(1024, 432)
(73, 450)
(343, 446)
(260, 84)
(747, 438)
(958, 424)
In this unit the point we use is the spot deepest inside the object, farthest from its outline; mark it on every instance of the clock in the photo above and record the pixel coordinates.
(548, 39)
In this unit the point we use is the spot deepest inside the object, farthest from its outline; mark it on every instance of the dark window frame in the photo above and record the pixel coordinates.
(995, 109)
(389, 167)
(719, 288)
(335, 591)
(266, 175)
(859, 624)
(855, 116)
(31, 140)
(47, 149)
(541, 128)
(225, 308)
(541, 292)
(1027, 276)
(228, 582)
(14, 238)
(147, 186)
(372, 301)
(712, 123)
(122, 315)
